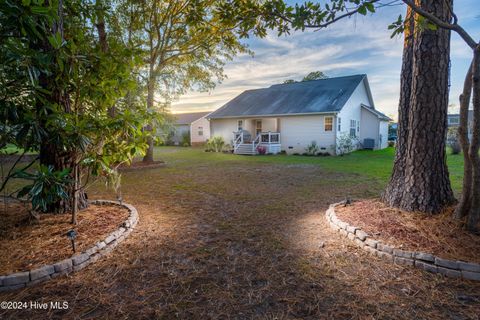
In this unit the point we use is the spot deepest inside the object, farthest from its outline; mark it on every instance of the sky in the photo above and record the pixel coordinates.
(359, 45)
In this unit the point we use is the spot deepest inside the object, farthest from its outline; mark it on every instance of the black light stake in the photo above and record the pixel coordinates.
(72, 234)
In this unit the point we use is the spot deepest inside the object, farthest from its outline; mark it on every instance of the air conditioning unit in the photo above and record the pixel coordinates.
(369, 143)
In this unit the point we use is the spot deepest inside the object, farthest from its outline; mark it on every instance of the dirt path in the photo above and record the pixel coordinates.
(238, 241)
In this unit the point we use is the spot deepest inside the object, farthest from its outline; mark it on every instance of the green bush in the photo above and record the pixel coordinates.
(185, 139)
(453, 141)
(215, 144)
(48, 187)
(312, 149)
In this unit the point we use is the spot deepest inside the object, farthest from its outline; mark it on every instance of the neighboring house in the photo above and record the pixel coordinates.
(453, 120)
(183, 126)
(200, 131)
(288, 117)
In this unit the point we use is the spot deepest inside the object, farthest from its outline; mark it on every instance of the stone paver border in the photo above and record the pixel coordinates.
(78, 261)
(421, 260)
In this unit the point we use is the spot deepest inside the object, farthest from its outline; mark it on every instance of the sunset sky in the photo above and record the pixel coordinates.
(354, 46)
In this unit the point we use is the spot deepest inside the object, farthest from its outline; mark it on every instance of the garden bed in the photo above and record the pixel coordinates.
(441, 235)
(26, 243)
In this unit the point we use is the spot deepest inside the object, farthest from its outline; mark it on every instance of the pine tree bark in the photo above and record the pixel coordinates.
(393, 192)
(425, 185)
(463, 207)
(474, 215)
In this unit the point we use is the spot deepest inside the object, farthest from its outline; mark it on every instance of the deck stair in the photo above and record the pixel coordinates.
(245, 148)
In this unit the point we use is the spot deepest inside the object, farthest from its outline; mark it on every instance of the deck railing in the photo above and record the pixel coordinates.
(263, 138)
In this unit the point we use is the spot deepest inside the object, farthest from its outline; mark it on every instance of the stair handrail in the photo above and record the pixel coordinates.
(238, 140)
(259, 138)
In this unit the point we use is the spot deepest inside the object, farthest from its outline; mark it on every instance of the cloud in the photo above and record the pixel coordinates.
(353, 46)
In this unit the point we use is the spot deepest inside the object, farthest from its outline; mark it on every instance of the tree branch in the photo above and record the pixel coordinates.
(442, 24)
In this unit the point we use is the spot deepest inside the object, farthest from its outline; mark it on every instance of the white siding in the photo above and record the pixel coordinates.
(297, 132)
(370, 127)
(195, 138)
(352, 110)
(224, 128)
(384, 134)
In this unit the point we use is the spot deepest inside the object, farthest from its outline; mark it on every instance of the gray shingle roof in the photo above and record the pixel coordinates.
(379, 114)
(188, 118)
(317, 96)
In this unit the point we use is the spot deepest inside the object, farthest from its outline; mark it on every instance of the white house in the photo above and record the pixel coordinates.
(200, 131)
(288, 117)
(193, 124)
(454, 122)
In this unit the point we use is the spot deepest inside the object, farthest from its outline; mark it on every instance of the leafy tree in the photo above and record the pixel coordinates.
(315, 75)
(185, 45)
(64, 86)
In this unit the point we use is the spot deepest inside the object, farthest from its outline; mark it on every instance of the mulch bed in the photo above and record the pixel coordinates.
(139, 165)
(441, 235)
(26, 243)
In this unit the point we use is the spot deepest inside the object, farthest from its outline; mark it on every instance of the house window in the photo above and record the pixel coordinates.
(353, 128)
(339, 124)
(240, 125)
(328, 125)
(200, 131)
(258, 127)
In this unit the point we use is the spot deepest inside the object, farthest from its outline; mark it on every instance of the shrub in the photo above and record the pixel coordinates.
(186, 139)
(453, 141)
(215, 144)
(391, 143)
(312, 148)
(261, 149)
(345, 144)
(48, 186)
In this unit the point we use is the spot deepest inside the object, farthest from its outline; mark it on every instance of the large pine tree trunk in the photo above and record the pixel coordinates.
(425, 185)
(393, 191)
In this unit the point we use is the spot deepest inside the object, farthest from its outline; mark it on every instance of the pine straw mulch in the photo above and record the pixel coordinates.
(441, 235)
(27, 243)
(237, 240)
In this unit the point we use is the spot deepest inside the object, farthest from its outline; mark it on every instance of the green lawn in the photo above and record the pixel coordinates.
(13, 149)
(374, 164)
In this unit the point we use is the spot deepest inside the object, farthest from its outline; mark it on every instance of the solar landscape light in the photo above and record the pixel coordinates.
(72, 234)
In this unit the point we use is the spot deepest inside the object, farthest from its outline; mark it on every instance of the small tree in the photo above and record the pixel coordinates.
(345, 144)
(186, 139)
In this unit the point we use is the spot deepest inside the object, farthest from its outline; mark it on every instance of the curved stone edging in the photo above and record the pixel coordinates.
(76, 262)
(421, 260)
